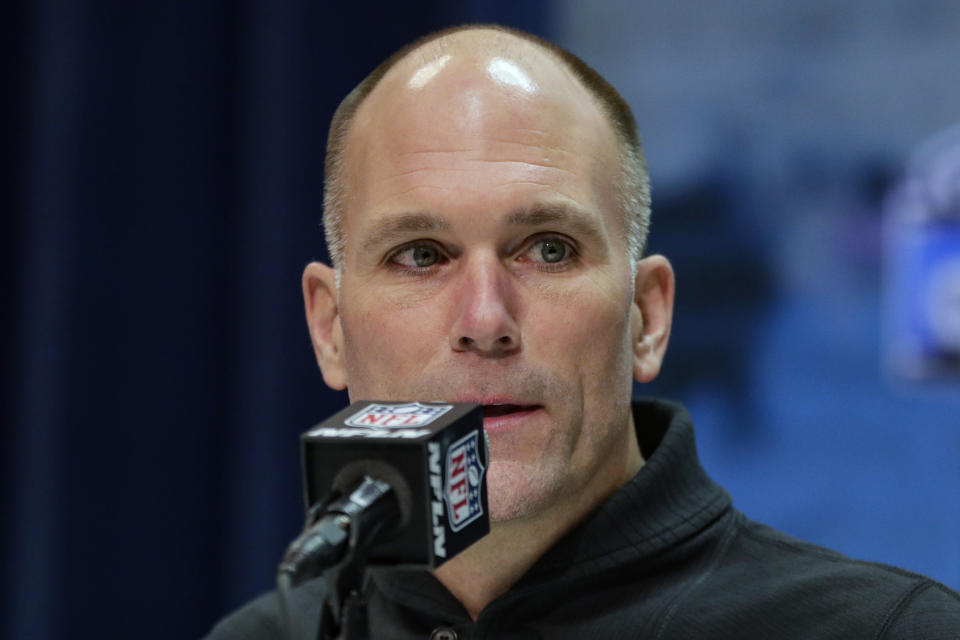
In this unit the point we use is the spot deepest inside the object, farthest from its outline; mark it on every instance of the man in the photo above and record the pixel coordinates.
(486, 212)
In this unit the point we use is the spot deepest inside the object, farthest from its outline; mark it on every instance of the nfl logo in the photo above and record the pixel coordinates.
(464, 478)
(397, 416)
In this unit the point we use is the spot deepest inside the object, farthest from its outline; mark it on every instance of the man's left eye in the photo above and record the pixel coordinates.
(549, 250)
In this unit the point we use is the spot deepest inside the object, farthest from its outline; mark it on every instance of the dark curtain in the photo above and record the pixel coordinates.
(164, 196)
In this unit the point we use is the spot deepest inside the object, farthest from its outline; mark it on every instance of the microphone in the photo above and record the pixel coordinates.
(420, 466)
(389, 484)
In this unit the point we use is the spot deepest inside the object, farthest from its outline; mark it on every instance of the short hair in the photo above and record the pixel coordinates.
(633, 185)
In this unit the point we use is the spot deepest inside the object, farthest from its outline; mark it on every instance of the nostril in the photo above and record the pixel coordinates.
(490, 345)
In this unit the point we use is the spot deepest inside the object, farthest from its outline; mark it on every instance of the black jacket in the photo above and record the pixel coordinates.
(666, 557)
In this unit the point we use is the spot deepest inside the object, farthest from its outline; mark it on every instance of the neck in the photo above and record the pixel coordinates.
(488, 568)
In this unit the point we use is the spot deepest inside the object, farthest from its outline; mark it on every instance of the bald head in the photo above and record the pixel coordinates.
(470, 78)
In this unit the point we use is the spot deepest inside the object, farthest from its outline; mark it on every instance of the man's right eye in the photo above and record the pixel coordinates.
(417, 256)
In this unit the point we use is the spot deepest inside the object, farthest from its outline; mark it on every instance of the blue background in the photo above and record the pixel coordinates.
(165, 193)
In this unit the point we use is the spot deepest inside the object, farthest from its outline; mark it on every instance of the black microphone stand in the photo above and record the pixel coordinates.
(344, 612)
(335, 542)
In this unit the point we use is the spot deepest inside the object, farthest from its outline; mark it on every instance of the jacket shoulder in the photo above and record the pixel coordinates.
(813, 587)
(930, 611)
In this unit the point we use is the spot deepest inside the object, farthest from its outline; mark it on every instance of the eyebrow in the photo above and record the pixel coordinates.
(557, 214)
(399, 226)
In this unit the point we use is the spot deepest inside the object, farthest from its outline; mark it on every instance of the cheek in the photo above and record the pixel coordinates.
(592, 339)
(583, 328)
(384, 346)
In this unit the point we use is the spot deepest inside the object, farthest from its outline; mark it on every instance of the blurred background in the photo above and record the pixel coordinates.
(165, 193)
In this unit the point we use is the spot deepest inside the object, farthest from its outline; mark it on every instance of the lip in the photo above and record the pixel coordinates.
(509, 421)
(512, 420)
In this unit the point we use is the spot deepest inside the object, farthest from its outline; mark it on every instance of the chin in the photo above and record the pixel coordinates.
(514, 493)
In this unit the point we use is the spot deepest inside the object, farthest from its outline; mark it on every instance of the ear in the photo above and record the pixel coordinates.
(323, 320)
(651, 315)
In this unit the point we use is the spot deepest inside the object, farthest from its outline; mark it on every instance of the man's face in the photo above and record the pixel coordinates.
(485, 261)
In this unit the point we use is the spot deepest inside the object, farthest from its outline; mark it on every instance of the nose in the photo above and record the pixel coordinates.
(485, 323)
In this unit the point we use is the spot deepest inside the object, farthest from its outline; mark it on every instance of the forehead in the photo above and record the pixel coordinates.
(439, 109)
(481, 80)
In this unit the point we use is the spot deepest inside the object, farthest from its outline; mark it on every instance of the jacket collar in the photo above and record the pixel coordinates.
(668, 501)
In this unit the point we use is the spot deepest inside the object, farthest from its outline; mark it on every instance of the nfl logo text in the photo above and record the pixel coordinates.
(397, 416)
(464, 482)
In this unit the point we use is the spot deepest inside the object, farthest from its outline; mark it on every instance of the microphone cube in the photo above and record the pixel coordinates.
(433, 454)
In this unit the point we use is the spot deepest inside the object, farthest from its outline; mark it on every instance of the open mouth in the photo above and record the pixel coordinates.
(499, 410)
